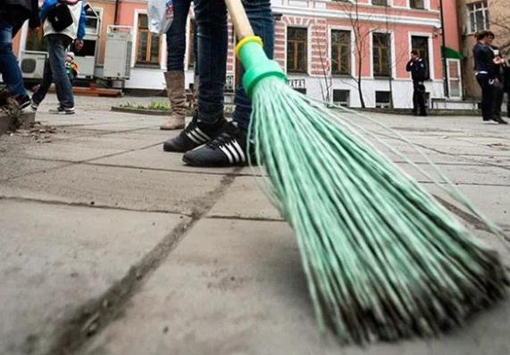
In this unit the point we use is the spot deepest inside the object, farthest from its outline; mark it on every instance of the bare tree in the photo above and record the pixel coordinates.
(400, 54)
(326, 72)
(361, 39)
(499, 24)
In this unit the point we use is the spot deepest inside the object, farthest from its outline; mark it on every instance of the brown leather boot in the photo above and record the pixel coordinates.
(177, 97)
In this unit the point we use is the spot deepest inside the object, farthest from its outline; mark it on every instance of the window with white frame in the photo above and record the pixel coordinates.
(478, 16)
(341, 97)
(297, 49)
(147, 46)
(381, 54)
(417, 4)
(340, 52)
(380, 2)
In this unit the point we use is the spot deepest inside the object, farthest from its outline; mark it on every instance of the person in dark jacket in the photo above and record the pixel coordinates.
(506, 86)
(13, 13)
(499, 91)
(486, 74)
(419, 74)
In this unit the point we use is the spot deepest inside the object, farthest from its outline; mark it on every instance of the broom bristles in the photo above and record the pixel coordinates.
(383, 259)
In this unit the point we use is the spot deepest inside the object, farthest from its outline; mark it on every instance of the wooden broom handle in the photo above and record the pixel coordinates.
(240, 20)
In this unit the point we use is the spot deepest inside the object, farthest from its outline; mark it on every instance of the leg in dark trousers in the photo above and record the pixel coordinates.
(415, 100)
(41, 92)
(508, 103)
(487, 96)
(419, 99)
(499, 93)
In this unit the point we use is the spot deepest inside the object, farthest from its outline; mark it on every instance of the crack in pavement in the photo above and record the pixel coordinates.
(95, 315)
(89, 205)
(78, 162)
(467, 217)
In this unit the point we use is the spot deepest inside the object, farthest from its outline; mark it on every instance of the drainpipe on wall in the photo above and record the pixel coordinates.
(443, 46)
(115, 21)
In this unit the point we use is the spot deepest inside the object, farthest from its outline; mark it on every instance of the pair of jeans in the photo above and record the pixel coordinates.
(211, 19)
(487, 95)
(55, 71)
(9, 68)
(176, 37)
(419, 98)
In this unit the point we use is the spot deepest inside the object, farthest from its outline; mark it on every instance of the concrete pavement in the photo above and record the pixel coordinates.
(111, 246)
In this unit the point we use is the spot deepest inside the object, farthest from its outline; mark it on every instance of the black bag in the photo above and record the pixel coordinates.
(60, 17)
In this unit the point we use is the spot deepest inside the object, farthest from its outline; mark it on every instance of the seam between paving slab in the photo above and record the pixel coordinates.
(78, 162)
(96, 314)
(89, 205)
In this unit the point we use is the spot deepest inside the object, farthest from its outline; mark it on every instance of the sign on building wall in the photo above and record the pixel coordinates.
(297, 83)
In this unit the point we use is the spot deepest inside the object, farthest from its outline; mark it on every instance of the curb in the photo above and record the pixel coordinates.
(140, 111)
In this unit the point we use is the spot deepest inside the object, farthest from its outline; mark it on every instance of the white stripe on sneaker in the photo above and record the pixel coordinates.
(228, 154)
(240, 151)
(202, 134)
(193, 137)
(232, 151)
(197, 136)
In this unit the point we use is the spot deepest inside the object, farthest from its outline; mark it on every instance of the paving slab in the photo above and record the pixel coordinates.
(11, 167)
(84, 148)
(492, 201)
(237, 287)
(155, 158)
(47, 272)
(115, 187)
(245, 199)
(461, 174)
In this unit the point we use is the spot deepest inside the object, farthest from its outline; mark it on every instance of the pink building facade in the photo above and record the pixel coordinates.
(348, 52)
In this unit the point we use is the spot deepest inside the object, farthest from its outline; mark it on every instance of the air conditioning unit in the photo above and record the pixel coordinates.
(117, 58)
(86, 58)
(32, 64)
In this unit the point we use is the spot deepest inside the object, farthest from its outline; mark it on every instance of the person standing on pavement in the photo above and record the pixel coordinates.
(499, 91)
(419, 73)
(485, 71)
(506, 86)
(58, 41)
(13, 13)
(174, 76)
(218, 142)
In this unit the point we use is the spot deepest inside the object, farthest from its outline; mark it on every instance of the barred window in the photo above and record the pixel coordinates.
(478, 16)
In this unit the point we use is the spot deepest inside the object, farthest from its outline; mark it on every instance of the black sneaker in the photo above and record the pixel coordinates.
(228, 149)
(23, 102)
(195, 134)
(500, 120)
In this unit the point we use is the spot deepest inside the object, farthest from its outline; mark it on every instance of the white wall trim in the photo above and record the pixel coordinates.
(341, 15)
(135, 35)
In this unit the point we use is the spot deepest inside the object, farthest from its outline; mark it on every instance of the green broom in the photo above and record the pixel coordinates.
(384, 260)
